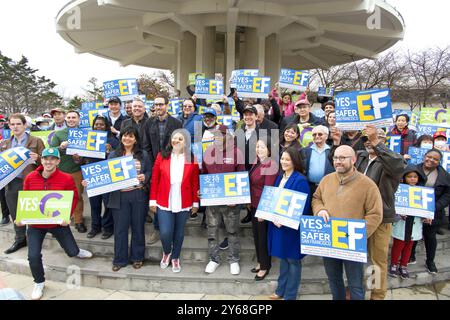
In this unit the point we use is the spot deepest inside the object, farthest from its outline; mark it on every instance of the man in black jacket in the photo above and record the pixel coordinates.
(157, 134)
(302, 116)
(263, 121)
(138, 117)
(385, 168)
(114, 115)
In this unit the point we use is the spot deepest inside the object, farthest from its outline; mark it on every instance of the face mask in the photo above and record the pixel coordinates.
(426, 145)
(440, 143)
(44, 128)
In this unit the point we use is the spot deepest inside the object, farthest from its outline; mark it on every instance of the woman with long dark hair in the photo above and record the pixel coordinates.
(173, 194)
(263, 173)
(284, 242)
(129, 205)
(289, 138)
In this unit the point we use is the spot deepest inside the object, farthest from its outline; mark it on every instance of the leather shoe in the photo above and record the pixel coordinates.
(92, 234)
(258, 278)
(247, 219)
(5, 221)
(16, 246)
(106, 235)
(254, 270)
(81, 228)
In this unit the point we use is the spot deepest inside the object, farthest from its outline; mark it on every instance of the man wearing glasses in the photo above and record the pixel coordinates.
(347, 194)
(157, 134)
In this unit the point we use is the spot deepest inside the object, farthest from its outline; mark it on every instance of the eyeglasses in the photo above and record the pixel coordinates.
(159, 104)
(317, 134)
(341, 158)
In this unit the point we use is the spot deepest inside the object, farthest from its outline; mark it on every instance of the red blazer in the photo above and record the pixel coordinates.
(262, 174)
(160, 186)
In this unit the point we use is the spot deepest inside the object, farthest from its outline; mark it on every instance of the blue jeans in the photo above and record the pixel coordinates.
(156, 221)
(131, 213)
(98, 222)
(171, 228)
(289, 279)
(35, 238)
(355, 277)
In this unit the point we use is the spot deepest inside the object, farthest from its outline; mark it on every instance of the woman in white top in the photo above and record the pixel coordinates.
(174, 193)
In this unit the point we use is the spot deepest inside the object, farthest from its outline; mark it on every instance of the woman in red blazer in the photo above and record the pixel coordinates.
(263, 173)
(174, 193)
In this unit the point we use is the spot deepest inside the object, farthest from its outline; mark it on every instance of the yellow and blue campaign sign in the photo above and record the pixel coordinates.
(325, 92)
(44, 207)
(92, 105)
(253, 87)
(294, 79)
(445, 163)
(224, 189)
(344, 239)
(194, 76)
(356, 109)
(12, 163)
(281, 206)
(430, 130)
(415, 201)
(110, 175)
(394, 142)
(242, 73)
(87, 116)
(87, 143)
(175, 106)
(435, 117)
(417, 155)
(227, 120)
(209, 89)
(125, 89)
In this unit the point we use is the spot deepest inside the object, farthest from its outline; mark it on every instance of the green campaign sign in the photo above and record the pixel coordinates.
(44, 207)
(46, 136)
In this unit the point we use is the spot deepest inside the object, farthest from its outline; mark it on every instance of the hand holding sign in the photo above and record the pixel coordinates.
(34, 156)
(371, 132)
(324, 214)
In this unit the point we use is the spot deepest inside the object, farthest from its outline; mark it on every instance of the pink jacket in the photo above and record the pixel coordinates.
(287, 109)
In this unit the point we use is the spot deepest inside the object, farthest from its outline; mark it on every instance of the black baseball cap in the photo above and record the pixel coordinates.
(250, 109)
(115, 99)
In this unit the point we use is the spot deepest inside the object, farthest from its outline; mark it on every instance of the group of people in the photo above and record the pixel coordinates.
(349, 174)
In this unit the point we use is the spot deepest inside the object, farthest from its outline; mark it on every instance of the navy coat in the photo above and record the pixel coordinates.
(284, 242)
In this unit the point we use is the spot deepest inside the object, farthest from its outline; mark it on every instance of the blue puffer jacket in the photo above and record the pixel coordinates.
(188, 123)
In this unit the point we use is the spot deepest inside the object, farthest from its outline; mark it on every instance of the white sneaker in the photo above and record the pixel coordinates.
(211, 267)
(176, 265)
(165, 260)
(38, 291)
(234, 268)
(84, 254)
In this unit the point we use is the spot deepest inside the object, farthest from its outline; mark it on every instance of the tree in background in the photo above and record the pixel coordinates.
(22, 90)
(94, 91)
(160, 82)
(75, 103)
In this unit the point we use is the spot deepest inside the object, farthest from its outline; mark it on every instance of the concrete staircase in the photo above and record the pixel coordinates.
(192, 279)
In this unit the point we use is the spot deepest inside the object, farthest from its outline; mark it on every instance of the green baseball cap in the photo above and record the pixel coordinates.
(51, 152)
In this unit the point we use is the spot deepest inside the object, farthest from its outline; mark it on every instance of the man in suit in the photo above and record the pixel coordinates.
(157, 134)
(20, 138)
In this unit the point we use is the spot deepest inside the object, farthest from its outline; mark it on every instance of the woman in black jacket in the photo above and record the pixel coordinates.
(439, 179)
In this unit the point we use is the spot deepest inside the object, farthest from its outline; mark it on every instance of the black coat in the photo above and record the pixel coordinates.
(151, 135)
(313, 120)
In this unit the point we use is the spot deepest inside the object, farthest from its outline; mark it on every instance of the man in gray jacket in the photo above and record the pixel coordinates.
(385, 168)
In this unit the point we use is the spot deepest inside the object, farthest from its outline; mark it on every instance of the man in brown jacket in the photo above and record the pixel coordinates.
(347, 194)
(20, 138)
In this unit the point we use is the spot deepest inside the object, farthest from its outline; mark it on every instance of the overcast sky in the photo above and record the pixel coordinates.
(27, 28)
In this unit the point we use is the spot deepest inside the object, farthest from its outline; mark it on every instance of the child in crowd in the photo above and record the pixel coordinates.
(405, 231)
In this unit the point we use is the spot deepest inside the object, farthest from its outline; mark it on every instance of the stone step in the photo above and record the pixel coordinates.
(195, 248)
(97, 272)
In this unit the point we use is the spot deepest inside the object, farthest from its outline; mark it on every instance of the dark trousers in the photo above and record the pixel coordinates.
(172, 231)
(35, 239)
(156, 221)
(429, 239)
(131, 214)
(98, 222)
(260, 239)
(12, 194)
(334, 269)
(5, 210)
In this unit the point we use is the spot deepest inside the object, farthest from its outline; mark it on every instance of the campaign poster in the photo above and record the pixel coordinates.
(224, 189)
